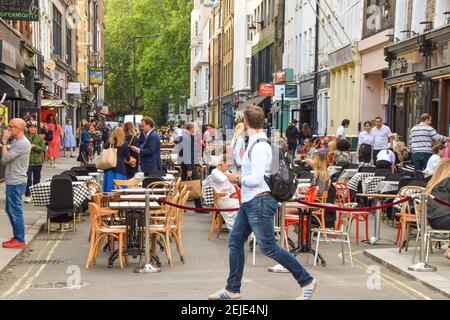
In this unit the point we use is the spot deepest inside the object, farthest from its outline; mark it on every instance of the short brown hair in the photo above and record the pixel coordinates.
(255, 117)
(424, 117)
(148, 121)
(189, 126)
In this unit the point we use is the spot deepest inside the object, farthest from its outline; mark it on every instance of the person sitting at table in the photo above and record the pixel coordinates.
(220, 184)
(331, 151)
(117, 140)
(386, 160)
(434, 160)
(323, 146)
(342, 155)
(439, 187)
(305, 151)
(402, 153)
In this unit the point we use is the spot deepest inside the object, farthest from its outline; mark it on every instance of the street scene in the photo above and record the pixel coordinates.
(225, 150)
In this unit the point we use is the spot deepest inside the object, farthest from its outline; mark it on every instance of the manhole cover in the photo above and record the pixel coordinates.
(59, 285)
(44, 261)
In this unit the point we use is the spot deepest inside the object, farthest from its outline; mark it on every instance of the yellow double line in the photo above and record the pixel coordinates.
(29, 280)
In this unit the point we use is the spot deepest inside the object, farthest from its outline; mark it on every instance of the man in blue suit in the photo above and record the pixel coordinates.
(150, 149)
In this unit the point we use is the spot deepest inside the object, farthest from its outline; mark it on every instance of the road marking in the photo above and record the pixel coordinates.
(18, 281)
(41, 268)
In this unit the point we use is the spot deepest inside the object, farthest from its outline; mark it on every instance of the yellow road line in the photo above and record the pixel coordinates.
(38, 273)
(18, 281)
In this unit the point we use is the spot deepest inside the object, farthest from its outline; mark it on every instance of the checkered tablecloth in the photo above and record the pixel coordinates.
(79, 178)
(388, 186)
(347, 174)
(371, 185)
(40, 193)
(334, 169)
(358, 177)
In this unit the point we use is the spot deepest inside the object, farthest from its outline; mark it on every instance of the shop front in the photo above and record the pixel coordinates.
(306, 112)
(227, 112)
(323, 97)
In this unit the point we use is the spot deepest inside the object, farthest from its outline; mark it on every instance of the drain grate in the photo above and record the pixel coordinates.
(58, 285)
(44, 261)
(53, 239)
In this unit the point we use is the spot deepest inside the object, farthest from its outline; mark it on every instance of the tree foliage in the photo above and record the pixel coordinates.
(162, 66)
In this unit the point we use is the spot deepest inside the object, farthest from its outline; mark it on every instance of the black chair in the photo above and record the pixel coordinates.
(61, 209)
(80, 171)
(69, 174)
(395, 176)
(147, 181)
(367, 169)
(157, 173)
(304, 175)
(382, 172)
(407, 181)
(349, 166)
(91, 168)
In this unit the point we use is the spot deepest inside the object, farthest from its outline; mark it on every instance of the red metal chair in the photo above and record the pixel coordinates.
(292, 219)
(343, 199)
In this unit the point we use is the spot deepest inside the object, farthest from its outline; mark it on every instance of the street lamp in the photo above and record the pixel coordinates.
(134, 69)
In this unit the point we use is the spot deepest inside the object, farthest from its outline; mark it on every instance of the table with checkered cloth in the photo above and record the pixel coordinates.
(371, 185)
(207, 193)
(388, 186)
(79, 178)
(40, 193)
(360, 176)
(347, 174)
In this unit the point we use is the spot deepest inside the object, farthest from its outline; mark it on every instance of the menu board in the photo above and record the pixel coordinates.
(27, 10)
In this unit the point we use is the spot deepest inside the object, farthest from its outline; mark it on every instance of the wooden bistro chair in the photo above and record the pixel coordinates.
(217, 219)
(319, 214)
(100, 231)
(121, 184)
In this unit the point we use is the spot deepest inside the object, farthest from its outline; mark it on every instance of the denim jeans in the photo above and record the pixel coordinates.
(420, 162)
(34, 177)
(257, 215)
(14, 209)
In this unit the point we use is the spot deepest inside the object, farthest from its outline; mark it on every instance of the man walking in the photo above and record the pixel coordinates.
(36, 158)
(257, 214)
(16, 160)
(150, 150)
(292, 134)
(340, 132)
(421, 139)
(382, 137)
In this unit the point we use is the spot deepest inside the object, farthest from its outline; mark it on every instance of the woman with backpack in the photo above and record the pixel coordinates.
(439, 186)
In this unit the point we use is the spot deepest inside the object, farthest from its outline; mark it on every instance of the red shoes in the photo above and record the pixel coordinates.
(14, 244)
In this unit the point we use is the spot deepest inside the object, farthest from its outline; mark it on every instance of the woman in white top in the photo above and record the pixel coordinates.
(238, 147)
(433, 162)
(386, 160)
(365, 143)
(219, 182)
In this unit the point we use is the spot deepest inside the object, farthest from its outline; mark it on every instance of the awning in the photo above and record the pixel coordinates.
(252, 102)
(13, 89)
(53, 103)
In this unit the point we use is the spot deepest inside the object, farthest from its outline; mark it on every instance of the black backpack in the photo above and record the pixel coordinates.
(282, 182)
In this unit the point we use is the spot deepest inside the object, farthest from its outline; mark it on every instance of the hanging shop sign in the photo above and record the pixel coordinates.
(280, 92)
(283, 76)
(7, 54)
(291, 92)
(266, 90)
(74, 88)
(26, 10)
(96, 77)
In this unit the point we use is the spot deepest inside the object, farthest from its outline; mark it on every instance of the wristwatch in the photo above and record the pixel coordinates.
(4, 143)
(236, 180)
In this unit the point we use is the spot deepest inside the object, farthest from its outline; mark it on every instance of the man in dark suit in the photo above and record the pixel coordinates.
(150, 149)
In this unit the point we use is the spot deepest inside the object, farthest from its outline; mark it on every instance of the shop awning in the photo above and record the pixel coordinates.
(13, 89)
(252, 102)
(53, 103)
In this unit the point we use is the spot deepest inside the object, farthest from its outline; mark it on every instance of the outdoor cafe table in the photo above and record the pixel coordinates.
(40, 193)
(334, 169)
(372, 184)
(141, 190)
(389, 186)
(96, 175)
(378, 202)
(347, 174)
(79, 178)
(357, 178)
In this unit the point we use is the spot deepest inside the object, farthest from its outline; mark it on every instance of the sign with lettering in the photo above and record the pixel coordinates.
(266, 90)
(341, 57)
(27, 10)
(96, 76)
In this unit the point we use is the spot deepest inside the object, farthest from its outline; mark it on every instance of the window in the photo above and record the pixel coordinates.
(196, 28)
(68, 46)
(206, 76)
(195, 86)
(249, 32)
(248, 72)
(57, 32)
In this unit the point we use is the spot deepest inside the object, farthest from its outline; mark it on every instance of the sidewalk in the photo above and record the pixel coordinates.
(34, 216)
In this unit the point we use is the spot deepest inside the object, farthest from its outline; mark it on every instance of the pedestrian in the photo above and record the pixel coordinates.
(386, 160)
(340, 132)
(85, 139)
(342, 155)
(292, 134)
(438, 152)
(305, 133)
(189, 155)
(69, 139)
(382, 138)
(119, 172)
(150, 150)
(238, 147)
(365, 143)
(132, 140)
(54, 145)
(16, 159)
(421, 139)
(36, 158)
(257, 213)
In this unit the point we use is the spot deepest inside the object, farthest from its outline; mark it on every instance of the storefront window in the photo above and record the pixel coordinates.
(407, 63)
(441, 56)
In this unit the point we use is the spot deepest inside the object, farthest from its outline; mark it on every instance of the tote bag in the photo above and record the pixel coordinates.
(194, 187)
(108, 159)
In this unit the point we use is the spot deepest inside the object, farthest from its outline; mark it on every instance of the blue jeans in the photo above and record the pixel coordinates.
(257, 215)
(420, 162)
(14, 210)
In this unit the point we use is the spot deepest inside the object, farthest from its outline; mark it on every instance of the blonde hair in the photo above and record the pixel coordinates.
(332, 146)
(117, 136)
(319, 165)
(238, 131)
(442, 172)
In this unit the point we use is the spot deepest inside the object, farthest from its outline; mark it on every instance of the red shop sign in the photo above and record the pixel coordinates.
(266, 90)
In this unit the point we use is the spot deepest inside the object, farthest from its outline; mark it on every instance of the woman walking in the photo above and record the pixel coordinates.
(54, 145)
(85, 138)
(133, 140)
(366, 140)
(117, 140)
(69, 139)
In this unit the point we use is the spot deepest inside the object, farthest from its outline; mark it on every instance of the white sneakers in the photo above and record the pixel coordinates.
(27, 199)
(307, 292)
(224, 295)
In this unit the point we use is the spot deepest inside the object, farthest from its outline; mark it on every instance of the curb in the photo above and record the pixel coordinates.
(405, 273)
(31, 234)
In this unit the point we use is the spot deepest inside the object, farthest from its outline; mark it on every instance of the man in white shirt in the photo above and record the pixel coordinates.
(257, 213)
(434, 160)
(340, 132)
(382, 137)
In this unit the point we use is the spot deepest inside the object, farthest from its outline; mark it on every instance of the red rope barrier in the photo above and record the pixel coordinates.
(442, 202)
(197, 209)
(321, 206)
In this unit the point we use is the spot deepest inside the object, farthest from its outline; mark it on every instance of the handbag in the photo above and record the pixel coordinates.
(49, 136)
(133, 161)
(194, 187)
(107, 159)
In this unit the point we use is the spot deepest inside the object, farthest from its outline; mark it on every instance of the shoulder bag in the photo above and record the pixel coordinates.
(133, 161)
(107, 159)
